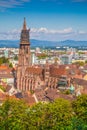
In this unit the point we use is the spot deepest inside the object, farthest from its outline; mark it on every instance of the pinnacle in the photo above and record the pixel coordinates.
(24, 25)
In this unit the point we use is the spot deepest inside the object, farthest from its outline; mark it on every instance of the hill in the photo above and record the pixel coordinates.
(41, 43)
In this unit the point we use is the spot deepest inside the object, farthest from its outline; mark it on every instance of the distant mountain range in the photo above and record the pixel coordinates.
(43, 44)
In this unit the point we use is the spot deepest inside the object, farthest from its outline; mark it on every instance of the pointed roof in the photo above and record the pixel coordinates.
(24, 25)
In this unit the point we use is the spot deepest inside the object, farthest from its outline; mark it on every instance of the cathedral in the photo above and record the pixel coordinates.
(31, 77)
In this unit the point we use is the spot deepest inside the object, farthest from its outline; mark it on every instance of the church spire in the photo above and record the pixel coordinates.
(24, 25)
(25, 34)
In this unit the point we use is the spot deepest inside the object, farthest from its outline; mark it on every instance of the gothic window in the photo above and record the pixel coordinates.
(26, 49)
(46, 70)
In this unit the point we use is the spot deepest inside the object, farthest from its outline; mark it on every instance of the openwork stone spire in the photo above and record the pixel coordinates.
(25, 34)
(24, 25)
(24, 50)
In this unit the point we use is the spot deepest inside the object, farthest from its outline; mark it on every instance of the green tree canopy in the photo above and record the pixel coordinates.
(2, 88)
(12, 115)
(10, 65)
(58, 115)
(80, 110)
(16, 57)
(3, 60)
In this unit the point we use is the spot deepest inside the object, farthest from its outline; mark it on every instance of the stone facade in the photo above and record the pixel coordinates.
(32, 77)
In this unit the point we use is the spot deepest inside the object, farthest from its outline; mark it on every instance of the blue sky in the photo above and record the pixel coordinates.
(54, 20)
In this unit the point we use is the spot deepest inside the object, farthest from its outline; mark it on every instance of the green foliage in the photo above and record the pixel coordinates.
(62, 52)
(80, 52)
(10, 65)
(43, 56)
(2, 88)
(3, 60)
(58, 115)
(32, 91)
(78, 124)
(86, 61)
(80, 110)
(79, 106)
(67, 92)
(81, 63)
(16, 57)
(12, 115)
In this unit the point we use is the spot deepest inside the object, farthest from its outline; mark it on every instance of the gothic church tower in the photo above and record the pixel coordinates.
(24, 59)
(24, 50)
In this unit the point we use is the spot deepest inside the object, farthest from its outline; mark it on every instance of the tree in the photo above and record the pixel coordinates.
(59, 115)
(50, 116)
(2, 88)
(36, 117)
(80, 63)
(15, 57)
(16, 115)
(86, 61)
(80, 110)
(3, 60)
(10, 65)
(42, 56)
(12, 115)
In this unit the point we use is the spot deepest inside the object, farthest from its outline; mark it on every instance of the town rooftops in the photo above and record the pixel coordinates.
(34, 70)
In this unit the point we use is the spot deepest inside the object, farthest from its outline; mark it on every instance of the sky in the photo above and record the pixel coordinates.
(52, 20)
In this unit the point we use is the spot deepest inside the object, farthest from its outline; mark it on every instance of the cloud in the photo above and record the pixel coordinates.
(82, 32)
(51, 34)
(46, 34)
(10, 35)
(12, 3)
(47, 31)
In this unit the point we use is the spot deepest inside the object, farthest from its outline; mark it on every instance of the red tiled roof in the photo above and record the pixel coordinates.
(34, 70)
(6, 76)
(80, 82)
(3, 67)
(5, 70)
(27, 96)
(54, 71)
